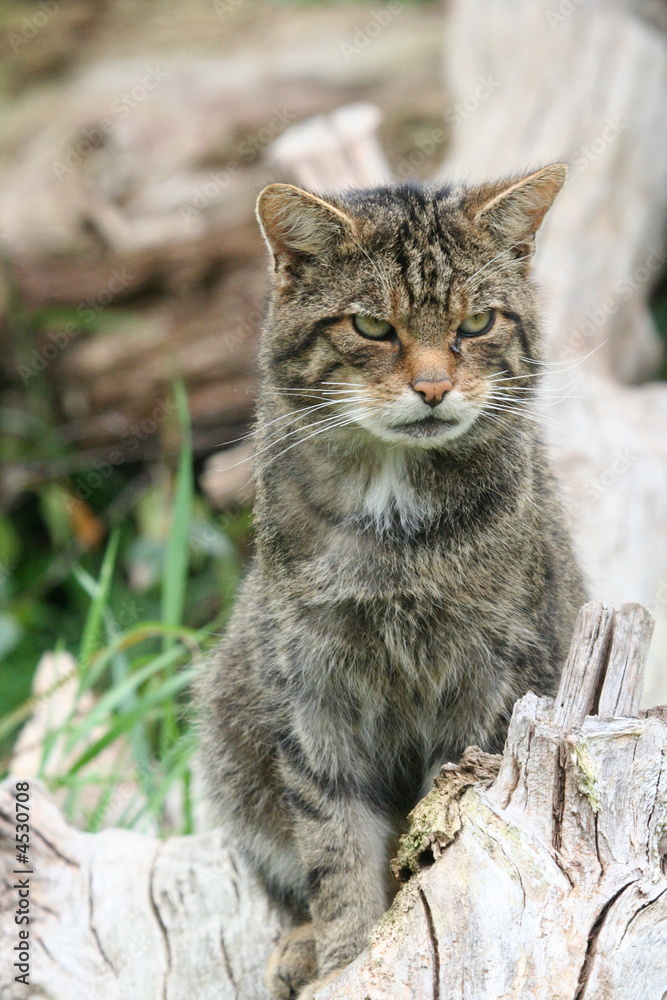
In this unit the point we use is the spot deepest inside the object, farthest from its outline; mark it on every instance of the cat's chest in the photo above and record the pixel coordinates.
(396, 628)
(421, 608)
(396, 576)
(386, 496)
(398, 569)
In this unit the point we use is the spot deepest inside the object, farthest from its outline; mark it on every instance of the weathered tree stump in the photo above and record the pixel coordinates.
(540, 874)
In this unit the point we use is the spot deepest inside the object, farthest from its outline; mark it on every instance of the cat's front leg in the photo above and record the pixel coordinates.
(343, 844)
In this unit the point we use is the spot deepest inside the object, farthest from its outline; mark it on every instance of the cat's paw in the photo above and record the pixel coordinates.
(312, 988)
(292, 964)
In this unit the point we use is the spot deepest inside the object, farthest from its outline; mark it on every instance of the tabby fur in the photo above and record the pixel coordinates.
(408, 587)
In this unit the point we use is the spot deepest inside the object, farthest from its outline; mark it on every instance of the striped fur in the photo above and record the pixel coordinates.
(407, 587)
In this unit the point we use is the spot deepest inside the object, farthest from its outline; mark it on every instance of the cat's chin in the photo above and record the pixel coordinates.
(431, 427)
(428, 433)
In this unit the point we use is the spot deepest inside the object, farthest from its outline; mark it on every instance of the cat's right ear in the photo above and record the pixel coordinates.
(513, 210)
(297, 224)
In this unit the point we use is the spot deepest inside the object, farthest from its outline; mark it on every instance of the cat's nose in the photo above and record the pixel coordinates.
(432, 392)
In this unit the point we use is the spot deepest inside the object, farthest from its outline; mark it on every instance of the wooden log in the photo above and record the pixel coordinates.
(538, 875)
(585, 666)
(624, 679)
(120, 914)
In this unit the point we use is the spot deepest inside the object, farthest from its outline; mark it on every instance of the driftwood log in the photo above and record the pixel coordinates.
(549, 882)
(117, 914)
(538, 875)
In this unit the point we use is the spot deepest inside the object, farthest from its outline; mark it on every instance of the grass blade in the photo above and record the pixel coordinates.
(175, 570)
(95, 617)
(162, 697)
(112, 700)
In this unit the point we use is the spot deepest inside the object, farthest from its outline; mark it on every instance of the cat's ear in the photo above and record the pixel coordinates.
(513, 211)
(296, 223)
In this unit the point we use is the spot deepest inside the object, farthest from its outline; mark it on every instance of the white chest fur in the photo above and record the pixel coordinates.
(387, 493)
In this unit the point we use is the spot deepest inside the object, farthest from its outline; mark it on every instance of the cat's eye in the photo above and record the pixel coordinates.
(375, 329)
(477, 323)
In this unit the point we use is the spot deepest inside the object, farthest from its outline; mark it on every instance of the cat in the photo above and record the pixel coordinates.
(414, 574)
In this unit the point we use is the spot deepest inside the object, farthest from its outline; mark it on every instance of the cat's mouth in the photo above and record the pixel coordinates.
(428, 427)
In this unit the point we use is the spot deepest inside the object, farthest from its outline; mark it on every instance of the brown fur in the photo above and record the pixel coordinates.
(414, 575)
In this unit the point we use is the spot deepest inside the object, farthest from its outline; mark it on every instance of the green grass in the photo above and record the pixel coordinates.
(137, 612)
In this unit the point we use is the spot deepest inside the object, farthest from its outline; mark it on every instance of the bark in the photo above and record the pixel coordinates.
(551, 883)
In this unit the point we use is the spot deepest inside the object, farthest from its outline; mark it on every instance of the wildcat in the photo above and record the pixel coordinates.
(414, 575)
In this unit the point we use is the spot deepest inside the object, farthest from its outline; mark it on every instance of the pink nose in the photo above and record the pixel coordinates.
(432, 392)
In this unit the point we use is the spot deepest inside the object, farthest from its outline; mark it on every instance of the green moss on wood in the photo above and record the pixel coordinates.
(435, 821)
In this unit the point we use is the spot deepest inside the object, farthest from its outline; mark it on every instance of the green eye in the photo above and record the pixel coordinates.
(375, 329)
(477, 323)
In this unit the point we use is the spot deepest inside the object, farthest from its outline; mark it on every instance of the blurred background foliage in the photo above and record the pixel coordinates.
(141, 263)
(136, 581)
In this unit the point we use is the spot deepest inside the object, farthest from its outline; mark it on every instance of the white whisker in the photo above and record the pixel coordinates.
(355, 384)
(536, 390)
(535, 398)
(294, 414)
(275, 443)
(322, 394)
(514, 378)
(554, 364)
(541, 418)
(343, 421)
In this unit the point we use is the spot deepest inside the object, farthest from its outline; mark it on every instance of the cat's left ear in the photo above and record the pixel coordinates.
(514, 211)
(296, 223)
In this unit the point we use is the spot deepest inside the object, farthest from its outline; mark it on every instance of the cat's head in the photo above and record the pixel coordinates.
(406, 310)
